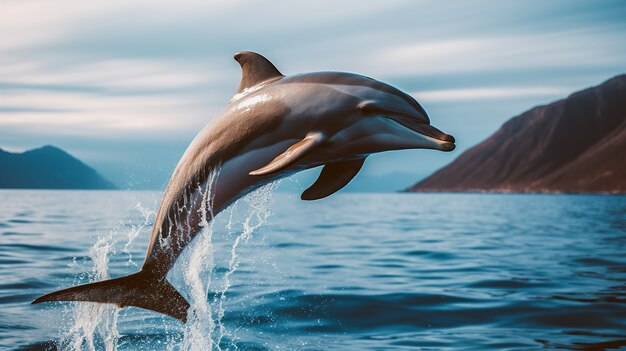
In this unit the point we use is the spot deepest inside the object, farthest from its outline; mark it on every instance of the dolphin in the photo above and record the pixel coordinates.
(273, 127)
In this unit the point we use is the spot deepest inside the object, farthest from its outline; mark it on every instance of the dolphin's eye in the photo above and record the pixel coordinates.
(368, 107)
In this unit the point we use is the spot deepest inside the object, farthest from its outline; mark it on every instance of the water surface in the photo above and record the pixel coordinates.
(352, 272)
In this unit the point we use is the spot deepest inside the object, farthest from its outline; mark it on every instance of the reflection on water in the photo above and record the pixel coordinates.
(355, 271)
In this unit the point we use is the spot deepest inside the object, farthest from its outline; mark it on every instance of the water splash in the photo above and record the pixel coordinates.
(148, 216)
(259, 202)
(198, 265)
(95, 325)
(205, 314)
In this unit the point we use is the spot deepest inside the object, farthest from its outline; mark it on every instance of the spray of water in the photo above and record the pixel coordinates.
(198, 333)
(258, 202)
(204, 329)
(136, 229)
(95, 325)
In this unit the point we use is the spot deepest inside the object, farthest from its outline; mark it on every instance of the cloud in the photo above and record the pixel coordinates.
(490, 93)
(563, 49)
(74, 113)
(129, 75)
(107, 97)
(28, 23)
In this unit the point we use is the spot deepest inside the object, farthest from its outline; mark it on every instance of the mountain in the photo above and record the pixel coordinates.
(47, 168)
(575, 145)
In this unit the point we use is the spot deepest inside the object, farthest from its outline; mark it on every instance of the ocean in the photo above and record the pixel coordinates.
(351, 272)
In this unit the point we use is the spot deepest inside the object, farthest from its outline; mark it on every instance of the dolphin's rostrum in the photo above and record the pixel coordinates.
(273, 127)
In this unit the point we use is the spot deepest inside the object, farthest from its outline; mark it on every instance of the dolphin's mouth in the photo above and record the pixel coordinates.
(443, 141)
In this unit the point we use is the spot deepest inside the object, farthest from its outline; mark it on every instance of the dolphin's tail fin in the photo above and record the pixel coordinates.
(139, 289)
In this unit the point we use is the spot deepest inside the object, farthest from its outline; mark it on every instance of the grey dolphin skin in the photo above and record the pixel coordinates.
(273, 127)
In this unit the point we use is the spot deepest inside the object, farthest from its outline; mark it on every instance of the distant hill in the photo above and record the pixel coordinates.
(575, 145)
(47, 168)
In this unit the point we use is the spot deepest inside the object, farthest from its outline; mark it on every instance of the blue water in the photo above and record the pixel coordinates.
(352, 272)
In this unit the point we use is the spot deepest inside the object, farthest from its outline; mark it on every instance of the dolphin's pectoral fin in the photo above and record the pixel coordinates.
(334, 176)
(255, 69)
(291, 155)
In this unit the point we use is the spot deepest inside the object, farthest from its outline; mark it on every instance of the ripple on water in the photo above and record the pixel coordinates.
(596, 261)
(327, 267)
(34, 247)
(509, 284)
(292, 245)
(28, 283)
(20, 221)
(431, 255)
(10, 233)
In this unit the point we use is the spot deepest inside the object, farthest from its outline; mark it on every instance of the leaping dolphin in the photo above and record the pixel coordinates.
(273, 127)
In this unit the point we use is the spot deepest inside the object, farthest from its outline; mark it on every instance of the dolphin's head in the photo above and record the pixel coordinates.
(384, 118)
(402, 127)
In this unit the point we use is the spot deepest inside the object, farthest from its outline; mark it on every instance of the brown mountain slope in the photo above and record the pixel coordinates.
(575, 145)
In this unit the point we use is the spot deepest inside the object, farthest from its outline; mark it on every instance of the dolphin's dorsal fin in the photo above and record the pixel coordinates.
(255, 69)
(334, 176)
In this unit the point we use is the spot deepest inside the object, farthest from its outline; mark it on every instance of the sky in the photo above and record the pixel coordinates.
(126, 85)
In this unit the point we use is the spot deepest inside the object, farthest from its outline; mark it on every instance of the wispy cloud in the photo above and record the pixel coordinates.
(29, 23)
(122, 74)
(74, 113)
(105, 97)
(483, 54)
(491, 93)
